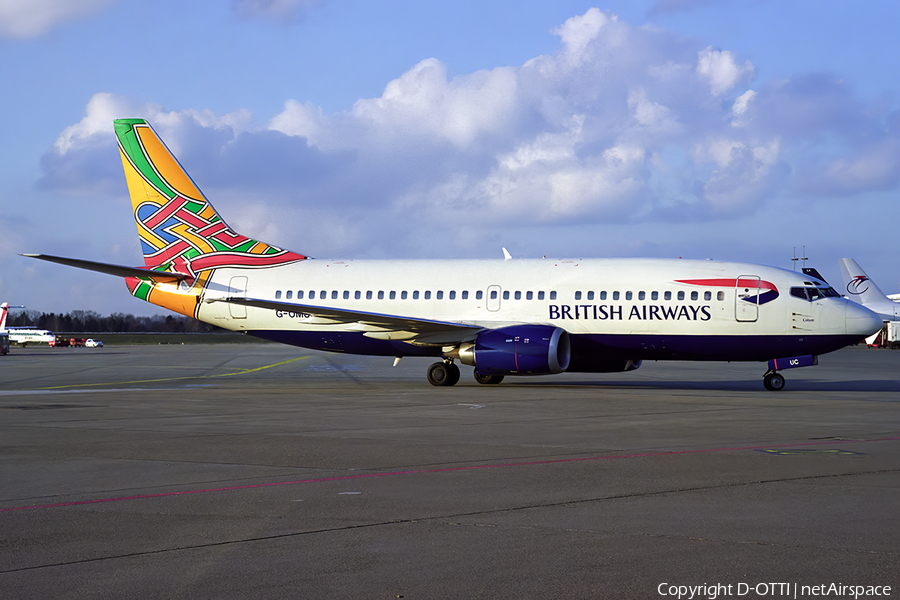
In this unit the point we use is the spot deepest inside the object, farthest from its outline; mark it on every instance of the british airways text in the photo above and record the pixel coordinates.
(617, 312)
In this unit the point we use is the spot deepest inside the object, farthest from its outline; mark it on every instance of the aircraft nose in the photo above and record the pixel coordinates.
(861, 321)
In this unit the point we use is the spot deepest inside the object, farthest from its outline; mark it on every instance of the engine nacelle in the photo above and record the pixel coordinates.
(519, 350)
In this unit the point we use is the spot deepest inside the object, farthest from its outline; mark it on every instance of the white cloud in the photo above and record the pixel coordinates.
(424, 102)
(579, 31)
(103, 108)
(31, 18)
(620, 124)
(740, 107)
(721, 70)
(100, 111)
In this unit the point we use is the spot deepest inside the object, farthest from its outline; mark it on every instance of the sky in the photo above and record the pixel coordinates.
(741, 130)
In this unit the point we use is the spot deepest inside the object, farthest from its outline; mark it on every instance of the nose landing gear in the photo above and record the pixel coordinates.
(773, 381)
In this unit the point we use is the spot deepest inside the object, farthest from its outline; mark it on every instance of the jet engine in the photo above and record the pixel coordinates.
(518, 350)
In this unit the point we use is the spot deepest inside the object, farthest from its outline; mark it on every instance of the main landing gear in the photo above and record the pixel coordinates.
(446, 373)
(443, 373)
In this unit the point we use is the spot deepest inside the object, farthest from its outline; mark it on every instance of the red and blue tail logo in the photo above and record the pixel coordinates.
(857, 282)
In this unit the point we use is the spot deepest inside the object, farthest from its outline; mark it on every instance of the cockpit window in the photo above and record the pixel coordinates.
(811, 294)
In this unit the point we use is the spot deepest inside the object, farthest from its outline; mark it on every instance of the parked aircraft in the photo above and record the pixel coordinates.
(502, 317)
(23, 335)
(863, 290)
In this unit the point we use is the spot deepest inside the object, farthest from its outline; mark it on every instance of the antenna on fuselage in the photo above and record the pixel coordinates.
(803, 258)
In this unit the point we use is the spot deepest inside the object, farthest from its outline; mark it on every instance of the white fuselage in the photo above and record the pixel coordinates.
(648, 308)
(23, 336)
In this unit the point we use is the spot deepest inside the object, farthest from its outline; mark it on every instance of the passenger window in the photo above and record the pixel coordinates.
(628, 295)
(368, 294)
(654, 295)
(393, 295)
(288, 294)
(720, 296)
(312, 294)
(415, 294)
(518, 295)
(346, 294)
(493, 294)
(323, 294)
(403, 295)
(300, 295)
(479, 295)
(578, 295)
(357, 295)
(695, 295)
(615, 295)
(380, 294)
(603, 295)
(707, 296)
(465, 294)
(540, 295)
(642, 295)
(553, 295)
(334, 294)
(452, 295)
(590, 295)
(681, 295)
(428, 295)
(278, 294)
(506, 295)
(439, 295)
(667, 295)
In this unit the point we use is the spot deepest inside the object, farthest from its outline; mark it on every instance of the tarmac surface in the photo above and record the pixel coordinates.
(265, 471)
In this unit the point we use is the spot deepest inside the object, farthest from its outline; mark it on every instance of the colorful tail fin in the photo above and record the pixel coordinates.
(4, 308)
(179, 229)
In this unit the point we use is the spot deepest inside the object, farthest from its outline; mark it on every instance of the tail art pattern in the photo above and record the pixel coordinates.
(180, 231)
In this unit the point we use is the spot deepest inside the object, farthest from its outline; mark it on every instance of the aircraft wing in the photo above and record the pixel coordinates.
(376, 325)
(117, 270)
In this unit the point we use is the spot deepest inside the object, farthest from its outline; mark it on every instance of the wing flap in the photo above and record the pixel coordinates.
(376, 325)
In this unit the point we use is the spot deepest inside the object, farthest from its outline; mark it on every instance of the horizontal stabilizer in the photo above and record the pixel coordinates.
(117, 270)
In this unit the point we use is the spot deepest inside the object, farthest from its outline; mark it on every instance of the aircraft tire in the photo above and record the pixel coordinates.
(454, 374)
(774, 382)
(443, 374)
(488, 379)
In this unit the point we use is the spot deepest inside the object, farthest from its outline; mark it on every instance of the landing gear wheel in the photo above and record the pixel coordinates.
(774, 382)
(488, 379)
(442, 373)
(454, 374)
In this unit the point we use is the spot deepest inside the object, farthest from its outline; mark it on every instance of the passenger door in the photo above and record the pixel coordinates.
(746, 298)
(493, 298)
(237, 288)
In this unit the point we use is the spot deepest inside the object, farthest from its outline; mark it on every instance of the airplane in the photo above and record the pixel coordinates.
(502, 317)
(863, 290)
(23, 335)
